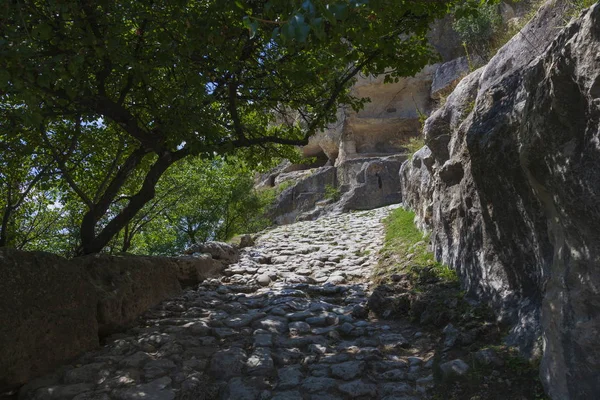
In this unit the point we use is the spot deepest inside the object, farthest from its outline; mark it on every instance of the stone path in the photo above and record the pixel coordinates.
(289, 321)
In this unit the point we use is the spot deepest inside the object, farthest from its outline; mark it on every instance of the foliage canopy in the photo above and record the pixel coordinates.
(107, 95)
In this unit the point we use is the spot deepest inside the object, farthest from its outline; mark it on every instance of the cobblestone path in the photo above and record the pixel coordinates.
(289, 321)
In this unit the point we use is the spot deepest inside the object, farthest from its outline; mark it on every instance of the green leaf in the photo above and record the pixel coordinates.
(182, 63)
(4, 79)
(42, 31)
(340, 11)
(308, 7)
(247, 21)
(275, 34)
(302, 32)
(288, 32)
(251, 25)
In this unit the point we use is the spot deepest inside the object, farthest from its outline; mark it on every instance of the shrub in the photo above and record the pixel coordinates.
(332, 193)
(478, 30)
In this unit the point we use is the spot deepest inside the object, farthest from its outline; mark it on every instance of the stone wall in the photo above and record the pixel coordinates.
(508, 186)
(48, 314)
(54, 309)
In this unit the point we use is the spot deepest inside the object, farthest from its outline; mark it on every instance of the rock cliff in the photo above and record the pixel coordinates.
(364, 146)
(508, 186)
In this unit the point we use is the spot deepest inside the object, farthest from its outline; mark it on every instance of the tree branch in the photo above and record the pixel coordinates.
(110, 170)
(63, 167)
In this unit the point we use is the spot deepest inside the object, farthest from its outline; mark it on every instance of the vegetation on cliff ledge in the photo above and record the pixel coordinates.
(406, 250)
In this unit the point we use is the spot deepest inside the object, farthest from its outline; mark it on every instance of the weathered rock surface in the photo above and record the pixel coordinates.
(48, 310)
(392, 115)
(128, 286)
(303, 196)
(448, 74)
(454, 369)
(508, 187)
(390, 119)
(195, 268)
(221, 251)
(377, 185)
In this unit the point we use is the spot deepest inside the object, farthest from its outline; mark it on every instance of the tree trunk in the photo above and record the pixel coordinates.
(4, 226)
(6, 217)
(87, 229)
(126, 240)
(95, 244)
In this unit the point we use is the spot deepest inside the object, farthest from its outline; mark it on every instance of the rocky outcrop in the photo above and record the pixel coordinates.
(53, 309)
(508, 187)
(356, 184)
(223, 252)
(303, 196)
(383, 126)
(390, 119)
(382, 130)
(377, 184)
(447, 75)
(196, 268)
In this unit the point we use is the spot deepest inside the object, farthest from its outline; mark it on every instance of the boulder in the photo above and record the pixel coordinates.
(48, 310)
(193, 269)
(224, 252)
(377, 185)
(303, 196)
(519, 218)
(453, 370)
(243, 241)
(445, 40)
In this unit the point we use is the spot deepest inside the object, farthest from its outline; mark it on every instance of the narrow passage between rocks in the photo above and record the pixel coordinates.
(288, 321)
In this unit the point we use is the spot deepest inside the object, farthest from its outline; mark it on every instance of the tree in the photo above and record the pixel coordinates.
(197, 200)
(23, 168)
(137, 86)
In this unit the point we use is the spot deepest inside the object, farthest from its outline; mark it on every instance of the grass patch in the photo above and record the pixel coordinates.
(406, 250)
(413, 145)
(470, 107)
(284, 185)
(332, 193)
(576, 7)
(269, 195)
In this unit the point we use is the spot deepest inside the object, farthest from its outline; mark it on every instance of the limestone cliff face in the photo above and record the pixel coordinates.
(392, 116)
(384, 125)
(509, 187)
(365, 146)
